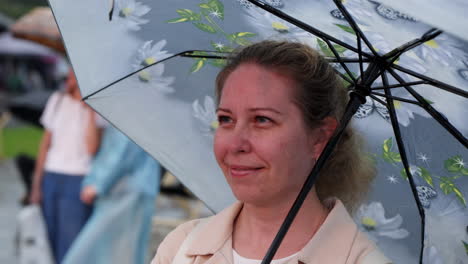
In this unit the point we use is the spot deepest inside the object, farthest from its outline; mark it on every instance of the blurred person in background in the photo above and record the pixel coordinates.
(122, 184)
(71, 139)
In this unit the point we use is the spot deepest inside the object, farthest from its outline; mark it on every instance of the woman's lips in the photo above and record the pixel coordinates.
(242, 171)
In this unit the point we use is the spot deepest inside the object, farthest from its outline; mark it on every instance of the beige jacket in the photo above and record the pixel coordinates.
(208, 241)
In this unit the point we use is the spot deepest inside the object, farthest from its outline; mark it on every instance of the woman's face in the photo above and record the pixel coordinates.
(262, 144)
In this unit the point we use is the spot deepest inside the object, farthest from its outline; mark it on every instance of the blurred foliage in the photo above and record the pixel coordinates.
(17, 8)
(20, 140)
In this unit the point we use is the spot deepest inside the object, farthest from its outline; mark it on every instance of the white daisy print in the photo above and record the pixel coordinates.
(206, 115)
(371, 219)
(130, 12)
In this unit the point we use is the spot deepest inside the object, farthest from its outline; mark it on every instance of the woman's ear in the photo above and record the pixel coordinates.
(323, 134)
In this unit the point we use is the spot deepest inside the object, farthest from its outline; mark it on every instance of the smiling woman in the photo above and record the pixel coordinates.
(278, 104)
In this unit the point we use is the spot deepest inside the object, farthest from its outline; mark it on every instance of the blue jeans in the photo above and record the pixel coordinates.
(63, 210)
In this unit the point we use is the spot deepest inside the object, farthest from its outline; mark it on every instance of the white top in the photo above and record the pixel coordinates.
(238, 259)
(67, 119)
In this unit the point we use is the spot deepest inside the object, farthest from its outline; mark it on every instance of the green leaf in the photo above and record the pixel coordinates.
(428, 101)
(218, 62)
(189, 14)
(446, 185)
(214, 8)
(324, 48)
(245, 34)
(339, 49)
(464, 171)
(426, 176)
(454, 164)
(327, 51)
(177, 20)
(391, 157)
(239, 39)
(387, 145)
(403, 174)
(205, 27)
(346, 28)
(459, 195)
(185, 12)
(199, 63)
(466, 247)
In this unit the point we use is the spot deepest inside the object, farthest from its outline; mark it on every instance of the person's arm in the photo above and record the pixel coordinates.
(35, 196)
(93, 133)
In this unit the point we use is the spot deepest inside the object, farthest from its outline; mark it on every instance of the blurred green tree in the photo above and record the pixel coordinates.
(17, 8)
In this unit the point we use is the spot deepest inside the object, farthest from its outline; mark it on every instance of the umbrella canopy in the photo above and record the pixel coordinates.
(39, 26)
(450, 18)
(151, 69)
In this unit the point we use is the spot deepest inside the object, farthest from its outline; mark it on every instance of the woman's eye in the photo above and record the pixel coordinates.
(223, 119)
(262, 119)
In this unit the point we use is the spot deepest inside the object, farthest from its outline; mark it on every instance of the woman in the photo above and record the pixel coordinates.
(124, 182)
(279, 103)
(71, 138)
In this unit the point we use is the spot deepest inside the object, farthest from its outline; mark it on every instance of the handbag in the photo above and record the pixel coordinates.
(33, 243)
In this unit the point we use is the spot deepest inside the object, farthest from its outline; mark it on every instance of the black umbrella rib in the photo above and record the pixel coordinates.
(194, 54)
(344, 77)
(399, 85)
(397, 52)
(431, 81)
(356, 100)
(355, 27)
(134, 72)
(338, 57)
(378, 99)
(347, 60)
(404, 159)
(433, 112)
(306, 27)
(396, 98)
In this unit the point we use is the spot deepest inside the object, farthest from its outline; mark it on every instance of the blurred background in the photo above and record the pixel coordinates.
(31, 69)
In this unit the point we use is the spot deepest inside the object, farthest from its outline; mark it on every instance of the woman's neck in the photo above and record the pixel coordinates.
(256, 226)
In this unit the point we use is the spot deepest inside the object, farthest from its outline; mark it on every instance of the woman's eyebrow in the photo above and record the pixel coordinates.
(265, 109)
(223, 109)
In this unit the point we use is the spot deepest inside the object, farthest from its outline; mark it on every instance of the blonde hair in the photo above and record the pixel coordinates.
(319, 93)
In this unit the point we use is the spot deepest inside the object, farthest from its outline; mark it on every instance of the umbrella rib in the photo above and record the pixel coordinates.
(306, 27)
(431, 81)
(356, 100)
(378, 99)
(397, 98)
(397, 52)
(111, 11)
(432, 111)
(399, 85)
(404, 159)
(132, 73)
(347, 60)
(355, 27)
(338, 57)
(344, 77)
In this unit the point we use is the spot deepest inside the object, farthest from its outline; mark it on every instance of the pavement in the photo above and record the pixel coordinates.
(11, 191)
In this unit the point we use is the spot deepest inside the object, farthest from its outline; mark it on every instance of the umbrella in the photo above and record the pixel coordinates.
(450, 18)
(150, 71)
(39, 26)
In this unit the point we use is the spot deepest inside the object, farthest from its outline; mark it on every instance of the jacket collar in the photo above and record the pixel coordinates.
(216, 232)
(336, 234)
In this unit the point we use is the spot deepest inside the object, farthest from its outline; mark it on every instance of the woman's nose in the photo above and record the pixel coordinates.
(240, 140)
